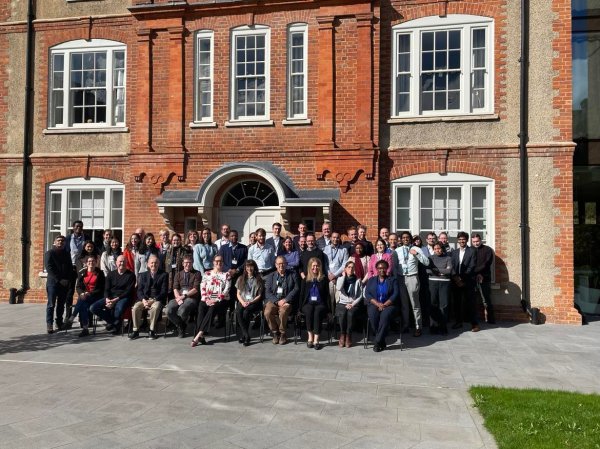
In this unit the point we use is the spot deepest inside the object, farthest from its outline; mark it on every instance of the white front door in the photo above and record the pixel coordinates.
(248, 219)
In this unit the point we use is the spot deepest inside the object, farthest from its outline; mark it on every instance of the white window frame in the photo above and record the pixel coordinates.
(83, 46)
(63, 188)
(249, 31)
(204, 34)
(466, 24)
(465, 181)
(297, 28)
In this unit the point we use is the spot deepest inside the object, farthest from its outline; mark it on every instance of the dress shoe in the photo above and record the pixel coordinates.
(275, 338)
(84, 333)
(109, 327)
(247, 341)
(135, 335)
(377, 348)
(310, 345)
(241, 340)
(50, 329)
(152, 335)
(475, 328)
(318, 346)
(283, 339)
(181, 332)
(417, 333)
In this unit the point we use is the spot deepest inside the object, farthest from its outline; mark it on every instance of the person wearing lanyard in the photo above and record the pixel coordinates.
(262, 253)
(381, 294)
(174, 260)
(314, 300)
(350, 294)
(336, 257)
(409, 257)
(249, 296)
(281, 290)
(186, 292)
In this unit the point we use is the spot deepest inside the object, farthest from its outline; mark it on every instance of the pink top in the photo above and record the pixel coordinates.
(376, 258)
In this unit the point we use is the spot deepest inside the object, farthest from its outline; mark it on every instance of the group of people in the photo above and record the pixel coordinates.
(282, 277)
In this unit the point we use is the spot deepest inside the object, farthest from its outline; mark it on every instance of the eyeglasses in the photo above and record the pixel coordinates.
(218, 261)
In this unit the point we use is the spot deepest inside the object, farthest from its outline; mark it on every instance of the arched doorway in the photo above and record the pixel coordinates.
(248, 205)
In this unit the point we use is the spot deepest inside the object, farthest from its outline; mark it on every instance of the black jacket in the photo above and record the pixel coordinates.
(153, 288)
(466, 269)
(485, 259)
(289, 284)
(322, 286)
(58, 266)
(98, 290)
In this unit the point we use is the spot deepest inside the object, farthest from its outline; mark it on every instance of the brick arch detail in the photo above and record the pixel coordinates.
(79, 171)
(473, 7)
(401, 170)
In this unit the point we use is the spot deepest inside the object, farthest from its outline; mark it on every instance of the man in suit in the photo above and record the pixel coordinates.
(276, 241)
(60, 272)
(464, 261)
(301, 233)
(325, 238)
(281, 292)
(381, 294)
(151, 296)
(483, 274)
(310, 252)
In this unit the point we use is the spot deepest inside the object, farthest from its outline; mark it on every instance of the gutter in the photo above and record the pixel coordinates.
(523, 162)
(27, 141)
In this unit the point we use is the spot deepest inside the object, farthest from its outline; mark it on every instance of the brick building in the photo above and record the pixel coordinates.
(186, 114)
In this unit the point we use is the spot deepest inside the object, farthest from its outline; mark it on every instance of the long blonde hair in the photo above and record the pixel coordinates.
(309, 275)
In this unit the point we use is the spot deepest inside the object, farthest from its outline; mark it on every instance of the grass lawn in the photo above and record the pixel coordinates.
(544, 419)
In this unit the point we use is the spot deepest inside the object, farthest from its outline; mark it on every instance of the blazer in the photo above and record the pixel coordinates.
(240, 254)
(98, 288)
(371, 289)
(288, 283)
(322, 286)
(279, 247)
(146, 283)
(485, 259)
(194, 278)
(321, 243)
(466, 269)
(373, 262)
(58, 266)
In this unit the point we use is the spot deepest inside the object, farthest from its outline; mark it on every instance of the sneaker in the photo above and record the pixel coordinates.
(84, 333)
(135, 335)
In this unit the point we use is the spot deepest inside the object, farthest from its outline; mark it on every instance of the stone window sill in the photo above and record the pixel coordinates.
(203, 125)
(445, 118)
(107, 130)
(234, 124)
(296, 122)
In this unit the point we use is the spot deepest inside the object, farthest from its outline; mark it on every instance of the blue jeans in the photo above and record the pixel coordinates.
(57, 295)
(380, 321)
(111, 316)
(82, 308)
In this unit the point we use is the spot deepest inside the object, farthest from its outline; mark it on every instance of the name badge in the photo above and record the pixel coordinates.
(280, 290)
(234, 261)
(314, 298)
(184, 292)
(248, 296)
(174, 265)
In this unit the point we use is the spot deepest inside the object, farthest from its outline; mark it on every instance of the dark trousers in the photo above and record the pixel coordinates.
(440, 297)
(380, 321)
(206, 314)
(486, 289)
(464, 303)
(111, 316)
(314, 313)
(244, 315)
(82, 308)
(70, 293)
(179, 314)
(345, 317)
(56, 300)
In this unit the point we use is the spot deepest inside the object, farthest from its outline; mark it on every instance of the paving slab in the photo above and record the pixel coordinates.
(104, 391)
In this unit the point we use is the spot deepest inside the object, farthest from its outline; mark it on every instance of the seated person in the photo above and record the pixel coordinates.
(186, 289)
(214, 294)
(90, 287)
(249, 292)
(350, 294)
(281, 290)
(381, 294)
(151, 296)
(118, 291)
(314, 301)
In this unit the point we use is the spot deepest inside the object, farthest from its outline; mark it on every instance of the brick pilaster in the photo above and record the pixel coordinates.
(364, 81)
(175, 88)
(326, 135)
(141, 132)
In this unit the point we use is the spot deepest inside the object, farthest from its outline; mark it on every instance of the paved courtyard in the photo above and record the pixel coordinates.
(108, 392)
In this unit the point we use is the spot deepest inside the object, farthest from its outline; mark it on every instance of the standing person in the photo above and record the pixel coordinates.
(314, 301)
(224, 239)
(214, 295)
(301, 233)
(276, 241)
(431, 240)
(349, 244)
(380, 254)
(384, 234)
(186, 292)
(310, 252)
(292, 256)
(409, 257)
(205, 251)
(59, 267)
(90, 288)
(443, 239)
(361, 263)
(464, 261)
(108, 261)
(89, 249)
(262, 253)
(163, 246)
(362, 237)
(234, 256)
(74, 245)
(106, 238)
(325, 238)
(174, 259)
(381, 294)
(424, 295)
(336, 256)
(193, 238)
(251, 239)
(350, 294)
(147, 249)
(483, 274)
(141, 233)
(281, 292)
(133, 256)
(118, 291)
(152, 291)
(440, 271)
(249, 296)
